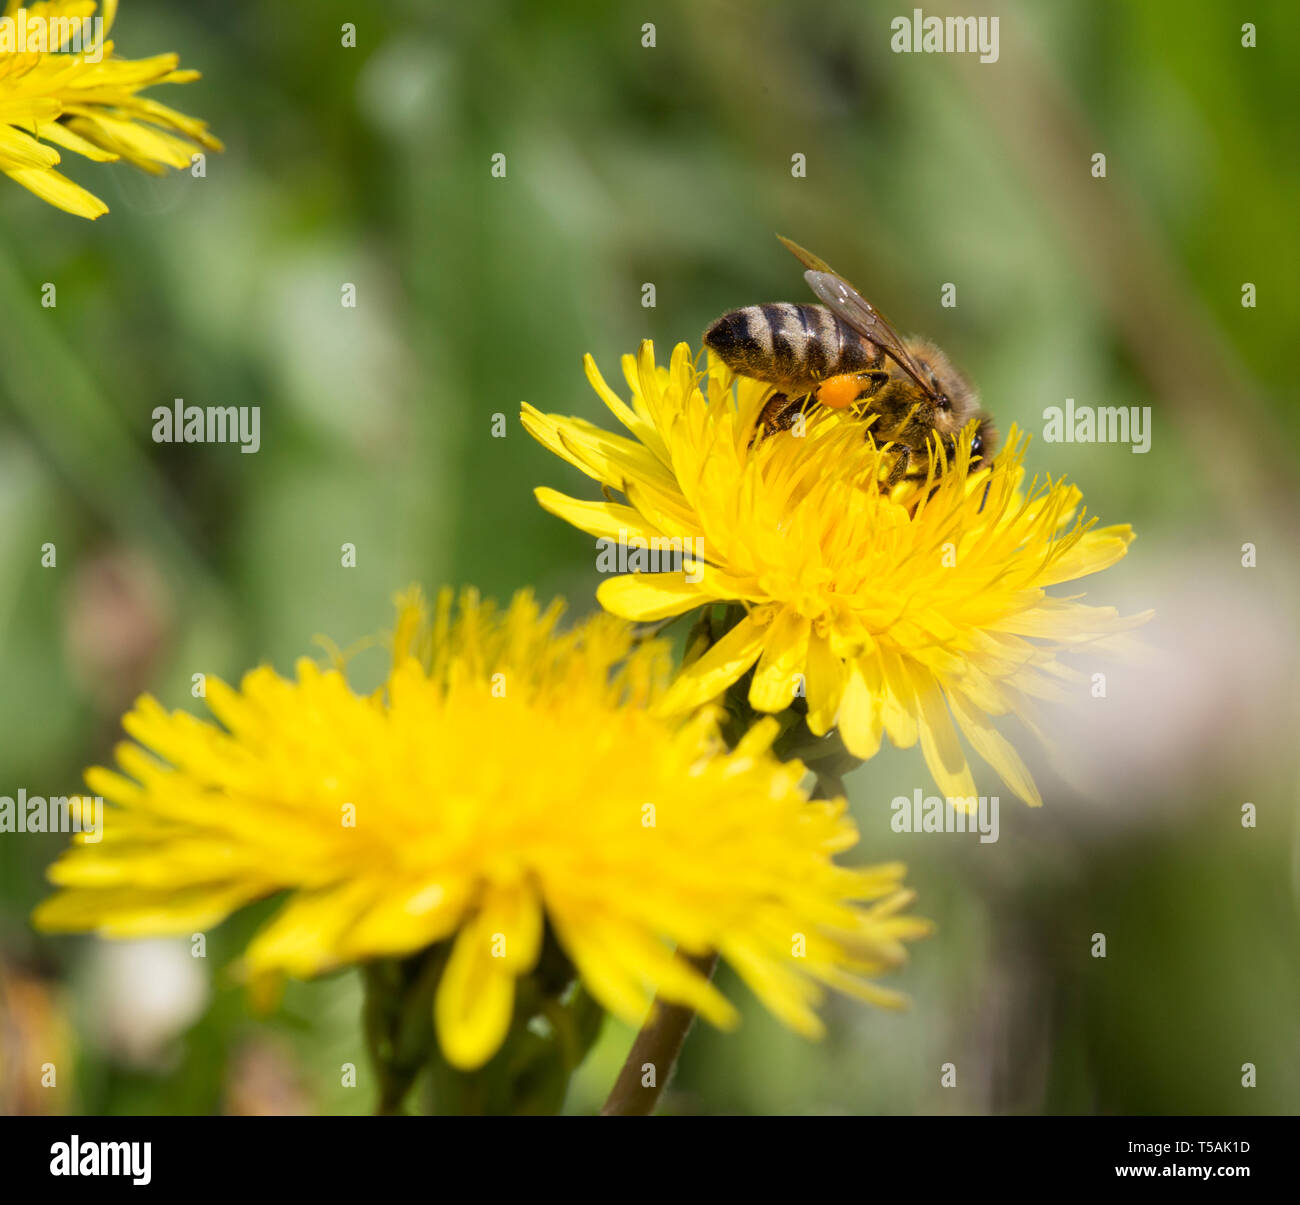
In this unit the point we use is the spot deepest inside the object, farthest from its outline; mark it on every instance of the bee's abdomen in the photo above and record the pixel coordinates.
(787, 344)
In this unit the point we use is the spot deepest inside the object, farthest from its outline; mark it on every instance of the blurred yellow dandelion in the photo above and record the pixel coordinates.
(892, 614)
(61, 83)
(508, 775)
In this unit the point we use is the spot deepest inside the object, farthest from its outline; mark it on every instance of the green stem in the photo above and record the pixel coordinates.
(398, 1017)
(659, 1042)
(654, 1053)
(661, 1038)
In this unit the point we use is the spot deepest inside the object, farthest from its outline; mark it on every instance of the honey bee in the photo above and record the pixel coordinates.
(844, 355)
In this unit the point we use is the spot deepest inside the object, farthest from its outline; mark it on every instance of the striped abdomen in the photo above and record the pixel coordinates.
(789, 345)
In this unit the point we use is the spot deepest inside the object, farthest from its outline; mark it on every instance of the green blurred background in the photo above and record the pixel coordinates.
(671, 165)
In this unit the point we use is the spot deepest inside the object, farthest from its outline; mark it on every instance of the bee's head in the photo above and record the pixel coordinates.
(954, 396)
(984, 443)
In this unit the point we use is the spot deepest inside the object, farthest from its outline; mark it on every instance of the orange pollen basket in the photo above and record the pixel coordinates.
(839, 393)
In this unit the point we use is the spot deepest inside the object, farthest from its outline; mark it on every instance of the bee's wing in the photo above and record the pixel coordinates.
(855, 311)
(810, 261)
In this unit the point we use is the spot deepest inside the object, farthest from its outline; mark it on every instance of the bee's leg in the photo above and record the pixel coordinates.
(871, 383)
(899, 469)
(779, 414)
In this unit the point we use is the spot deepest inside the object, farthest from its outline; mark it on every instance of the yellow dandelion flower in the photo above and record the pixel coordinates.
(61, 83)
(892, 614)
(508, 777)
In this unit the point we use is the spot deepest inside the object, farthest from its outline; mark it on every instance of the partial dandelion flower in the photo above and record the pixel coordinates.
(508, 777)
(63, 86)
(916, 614)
